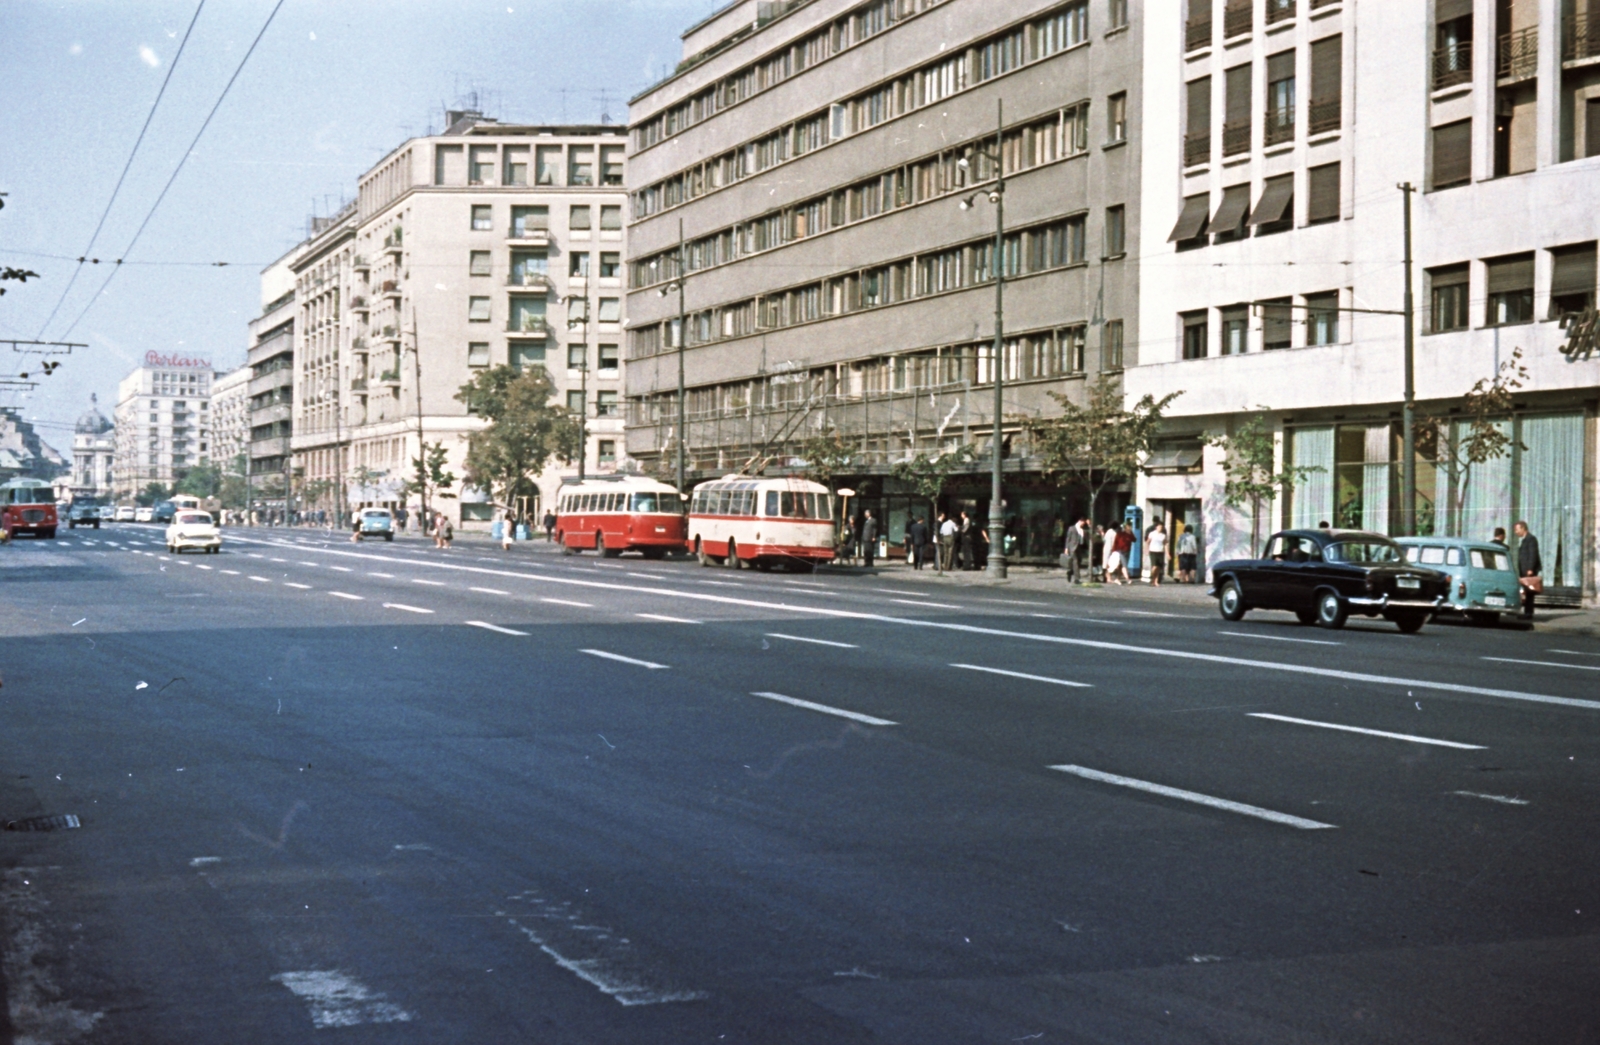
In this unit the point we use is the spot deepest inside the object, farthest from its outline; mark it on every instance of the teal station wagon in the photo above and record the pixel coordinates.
(1483, 583)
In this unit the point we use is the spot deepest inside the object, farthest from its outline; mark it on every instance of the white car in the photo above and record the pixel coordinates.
(144, 513)
(191, 529)
(126, 513)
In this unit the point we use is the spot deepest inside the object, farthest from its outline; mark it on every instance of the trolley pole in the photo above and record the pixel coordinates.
(996, 565)
(683, 332)
(1408, 451)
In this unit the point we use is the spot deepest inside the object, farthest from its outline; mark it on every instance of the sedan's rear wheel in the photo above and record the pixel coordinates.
(1331, 610)
(1409, 622)
(1231, 601)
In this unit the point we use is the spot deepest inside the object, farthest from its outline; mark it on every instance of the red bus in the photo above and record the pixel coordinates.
(740, 520)
(611, 514)
(28, 506)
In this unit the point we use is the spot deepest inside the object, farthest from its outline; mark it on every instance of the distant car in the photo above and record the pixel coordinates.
(191, 529)
(377, 522)
(1323, 576)
(1483, 583)
(86, 513)
(163, 512)
(144, 513)
(126, 513)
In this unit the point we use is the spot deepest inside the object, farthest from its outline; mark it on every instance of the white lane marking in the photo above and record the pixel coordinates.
(1279, 638)
(722, 584)
(346, 595)
(490, 591)
(1573, 653)
(494, 627)
(201, 566)
(596, 954)
(854, 716)
(253, 555)
(809, 584)
(1023, 675)
(436, 584)
(819, 642)
(292, 584)
(929, 605)
(649, 576)
(310, 564)
(1194, 796)
(263, 580)
(669, 620)
(569, 602)
(608, 566)
(278, 560)
(1543, 663)
(1015, 602)
(403, 606)
(202, 861)
(1082, 620)
(233, 573)
(1502, 799)
(337, 999)
(341, 569)
(163, 558)
(1368, 732)
(385, 576)
(897, 591)
(1152, 613)
(623, 660)
(974, 629)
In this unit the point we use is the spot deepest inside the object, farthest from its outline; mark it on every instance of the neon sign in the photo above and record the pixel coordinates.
(176, 360)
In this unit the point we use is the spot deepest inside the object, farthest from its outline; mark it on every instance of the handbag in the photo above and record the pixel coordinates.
(1534, 583)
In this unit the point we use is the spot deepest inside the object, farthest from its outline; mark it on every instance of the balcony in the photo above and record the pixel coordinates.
(1196, 149)
(1238, 18)
(528, 234)
(358, 344)
(1279, 11)
(1517, 55)
(359, 304)
(359, 263)
(532, 325)
(1279, 127)
(1197, 33)
(358, 384)
(390, 378)
(1580, 37)
(1452, 65)
(1324, 115)
(391, 289)
(534, 280)
(391, 242)
(390, 334)
(1235, 137)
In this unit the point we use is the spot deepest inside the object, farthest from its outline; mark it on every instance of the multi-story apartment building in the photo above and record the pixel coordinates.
(1272, 276)
(326, 302)
(831, 166)
(230, 418)
(488, 244)
(94, 452)
(163, 422)
(271, 387)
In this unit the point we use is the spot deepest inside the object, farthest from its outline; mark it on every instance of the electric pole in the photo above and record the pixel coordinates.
(996, 566)
(1408, 451)
(683, 332)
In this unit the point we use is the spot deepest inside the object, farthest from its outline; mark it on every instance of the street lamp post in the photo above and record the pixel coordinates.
(996, 563)
(583, 413)
(683, 330)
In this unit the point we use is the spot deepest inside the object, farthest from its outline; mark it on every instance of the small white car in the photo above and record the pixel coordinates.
(144, 513)
(126, 513)
(191, 529)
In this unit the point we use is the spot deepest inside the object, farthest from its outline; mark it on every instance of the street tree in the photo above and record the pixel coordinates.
(1250, 465)
(152, 493)
(201, 480)
(429, 477)
(526, 429)
(1482, 431)
(928, 475)
(1100, 444)
(234, 489)
(827, 455)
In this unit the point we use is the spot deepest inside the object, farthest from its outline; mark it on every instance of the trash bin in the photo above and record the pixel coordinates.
(522, 531)
(497, 529)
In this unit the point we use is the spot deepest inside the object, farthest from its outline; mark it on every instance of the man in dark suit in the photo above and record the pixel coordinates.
(869, 538)
(1529, 565)
(919, 543)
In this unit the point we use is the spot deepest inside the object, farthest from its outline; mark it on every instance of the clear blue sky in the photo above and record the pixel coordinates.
(333, 86)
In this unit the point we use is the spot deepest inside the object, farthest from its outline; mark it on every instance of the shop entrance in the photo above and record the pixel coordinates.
(1180, 517)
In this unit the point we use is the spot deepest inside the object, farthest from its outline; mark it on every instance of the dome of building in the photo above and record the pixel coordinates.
(93, 422)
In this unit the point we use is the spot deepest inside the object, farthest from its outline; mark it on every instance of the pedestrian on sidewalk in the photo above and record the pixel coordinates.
(917, 537)
(1155, 543)
(1077, 537)
(549, 525)
(1188, 556)
(400, 517)
(1500, 537)
(969, 550)
(1529, 567)
(508, 533)
(947, 542)
(869, 538)
(355, 527)
(1121, 544)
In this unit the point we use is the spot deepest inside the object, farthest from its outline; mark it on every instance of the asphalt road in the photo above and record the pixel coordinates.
(384, 793)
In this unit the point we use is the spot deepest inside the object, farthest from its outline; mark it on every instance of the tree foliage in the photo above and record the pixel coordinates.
(429, 478)
(152, 493)
(526, 429)
(827, 456)
(1481, 434)
(1250, 464)
(201, 480)
(1099, 444)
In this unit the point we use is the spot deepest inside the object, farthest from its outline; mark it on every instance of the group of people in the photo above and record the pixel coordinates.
(1116, 542)
(957, 541)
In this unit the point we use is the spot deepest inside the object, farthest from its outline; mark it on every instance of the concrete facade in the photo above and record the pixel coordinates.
(1504, 242)
(94, 451)
(271, 387)
(815, 155)
(162, 422)
(326, 302)
(230, 417)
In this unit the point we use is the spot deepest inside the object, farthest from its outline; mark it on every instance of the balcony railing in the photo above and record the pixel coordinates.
(1580, 37)
(1237, 18)
(1279, 126)
(1235, 137)
(1279, 10)
(1517, 57)
(1197, 33)
(390, 377)
(530, 279)
(1452, 65)
(1324, 115)
(1196, 149)
(528, 233)
(359, 304)
(391, 288)
(527, 325)
(359, 263)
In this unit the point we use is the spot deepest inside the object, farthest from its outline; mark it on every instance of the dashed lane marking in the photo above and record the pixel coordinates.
(1080, 620)
(569, 602)
(385, 576)
(819, 642)
(854, 716)
(1194, 796)
(1502, 799)
(1279, 638)
(436, 584)
(930, 605)
(495, 627)
(347, 595)
(1024, 675)
(403, 606)
(1544, 663)
(1152, 613)
(603, 654)
(1368, 732)
(292, 584)
(263, 580)
(231, 573)
(669, 620)
(490, 591)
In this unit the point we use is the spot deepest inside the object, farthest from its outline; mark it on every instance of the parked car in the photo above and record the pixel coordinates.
(144, 513)
(163, 512)
(1323, 576)
(84, 513)
(377, 522)
(1483, 583)
(126, 513)
(191, 529)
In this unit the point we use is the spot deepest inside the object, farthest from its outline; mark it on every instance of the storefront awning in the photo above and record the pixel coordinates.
(1185, 459)
(1196, 209)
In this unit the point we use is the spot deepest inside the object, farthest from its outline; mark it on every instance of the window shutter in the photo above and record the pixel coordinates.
(1235, 201)
(1322, 195)
(1276, 196)
(1193, 219)
(1450, 10)
(1280, 66)
(1452, 154)
(1238, 90)
(1200, 106)
(1455, 275)
(1507, 275)
(1574, 271)
(1327, 69)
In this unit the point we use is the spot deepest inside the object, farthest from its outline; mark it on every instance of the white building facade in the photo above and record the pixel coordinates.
(230, 416)
(163, 422)
(94, 449)
(1272, 273)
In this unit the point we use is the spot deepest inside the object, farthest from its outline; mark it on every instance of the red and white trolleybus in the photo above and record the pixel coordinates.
(28, 506)
(611, 514)
(740, 520)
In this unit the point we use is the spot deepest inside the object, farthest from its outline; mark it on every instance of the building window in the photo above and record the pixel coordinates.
(478, 353)
(609, 360)
(577, 357)
(1190, 230)
(1509, 283)
(611, 219)
(480, 263)
(1452, 43)
(607, 451)
(1447, 298)
(1277, 324)
(528, 221)
(1572, 279)
(575, 403)
(610, 264)
(1236, 330)
(1116, 15)
(1117, 117)
(578, 264)
(1325, 112)
(547, 164)
(1116, 231)
(1197, 134)
(579, 217)
(1111, 346)
(1280, 97)
(527, 314)
(526, 354)
(447, 164)
(1322, 194)
(580, 165)
(1194, 335)
(1236, 119)
(482, 217)
(516, 172)
(478, 309)
(610, 310)
(1322, 318)
(528, 266)
(611, 164)
(1275, 209)
(1452, 154)
(605, 404)
(480, 167)
(1228, 223)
